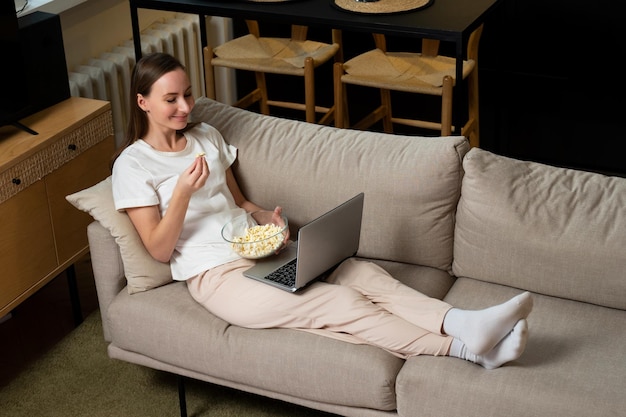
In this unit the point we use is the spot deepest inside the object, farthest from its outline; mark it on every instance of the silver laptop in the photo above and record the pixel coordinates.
(322, 244)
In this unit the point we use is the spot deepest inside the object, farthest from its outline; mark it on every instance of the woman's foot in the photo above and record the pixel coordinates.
(482, 330)
(509, 349)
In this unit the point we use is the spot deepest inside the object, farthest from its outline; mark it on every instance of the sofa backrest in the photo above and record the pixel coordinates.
(549, 230)
(411, 184)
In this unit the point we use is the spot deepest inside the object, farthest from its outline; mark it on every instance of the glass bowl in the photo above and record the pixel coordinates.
(255, 235)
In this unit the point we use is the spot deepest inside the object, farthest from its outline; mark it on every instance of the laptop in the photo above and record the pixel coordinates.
(321, 245)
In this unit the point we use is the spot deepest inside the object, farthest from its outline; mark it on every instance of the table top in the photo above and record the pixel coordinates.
(446, 20)
(17, 145)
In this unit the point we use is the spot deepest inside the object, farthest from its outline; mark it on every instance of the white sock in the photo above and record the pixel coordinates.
(509, 348)
(481, 330)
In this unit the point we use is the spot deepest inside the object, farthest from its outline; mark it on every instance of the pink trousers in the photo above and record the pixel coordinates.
(359, 299)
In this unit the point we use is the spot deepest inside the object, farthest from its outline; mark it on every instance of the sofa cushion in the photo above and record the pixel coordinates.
(142, 271)
(550, 230)
(166, 322)
(411, 184)
(573, 365)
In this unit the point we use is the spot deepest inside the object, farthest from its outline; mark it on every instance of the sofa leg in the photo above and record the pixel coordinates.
(181, 396)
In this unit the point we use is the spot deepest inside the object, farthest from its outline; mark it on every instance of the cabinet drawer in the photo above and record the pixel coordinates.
(26, 243)
(63, 150)
(69, 224)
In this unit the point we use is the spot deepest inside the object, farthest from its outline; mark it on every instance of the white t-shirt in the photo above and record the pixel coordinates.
(143, 176)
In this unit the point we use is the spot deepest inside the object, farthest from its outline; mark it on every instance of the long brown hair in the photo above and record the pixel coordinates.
(145, 73)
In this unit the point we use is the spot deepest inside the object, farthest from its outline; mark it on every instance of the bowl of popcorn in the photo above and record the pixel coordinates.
(256, 235)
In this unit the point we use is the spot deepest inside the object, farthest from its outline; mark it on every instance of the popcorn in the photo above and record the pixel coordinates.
(259, 241)
(200, 154)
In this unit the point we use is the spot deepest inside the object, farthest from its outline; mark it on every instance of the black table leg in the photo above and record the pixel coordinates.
(74, 297)
(182, 399)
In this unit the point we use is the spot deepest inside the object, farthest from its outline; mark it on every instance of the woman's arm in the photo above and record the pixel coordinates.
(240, 199)
(159, 235)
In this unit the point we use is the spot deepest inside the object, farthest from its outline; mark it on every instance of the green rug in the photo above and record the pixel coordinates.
(77, 378)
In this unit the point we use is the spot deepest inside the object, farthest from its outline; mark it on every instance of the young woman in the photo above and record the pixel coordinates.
(176, 184)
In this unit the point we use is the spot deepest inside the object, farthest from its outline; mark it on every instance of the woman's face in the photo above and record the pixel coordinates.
(169, 103)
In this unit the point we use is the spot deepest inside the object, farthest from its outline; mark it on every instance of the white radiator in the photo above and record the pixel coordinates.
(107, 77)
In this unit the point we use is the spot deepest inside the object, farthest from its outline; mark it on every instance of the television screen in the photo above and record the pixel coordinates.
(15, 101)
(33, 57)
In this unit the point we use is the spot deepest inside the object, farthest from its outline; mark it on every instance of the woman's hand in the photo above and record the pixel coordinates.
(194, 177)
(278, 219)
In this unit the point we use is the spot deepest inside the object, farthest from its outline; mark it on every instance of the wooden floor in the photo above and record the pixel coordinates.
(42, 320)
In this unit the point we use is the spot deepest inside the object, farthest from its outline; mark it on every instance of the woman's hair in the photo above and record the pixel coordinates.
(146, 72)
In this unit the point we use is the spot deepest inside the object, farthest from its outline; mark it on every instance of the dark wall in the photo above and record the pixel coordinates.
(550, 82)
(551, 87)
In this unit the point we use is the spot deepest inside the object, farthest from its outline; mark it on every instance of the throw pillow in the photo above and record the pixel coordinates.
(142, 271)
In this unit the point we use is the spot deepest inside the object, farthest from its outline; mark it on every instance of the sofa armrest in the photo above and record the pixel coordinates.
(108, 269)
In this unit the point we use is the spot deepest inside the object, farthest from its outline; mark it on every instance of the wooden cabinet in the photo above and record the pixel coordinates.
(41, 234)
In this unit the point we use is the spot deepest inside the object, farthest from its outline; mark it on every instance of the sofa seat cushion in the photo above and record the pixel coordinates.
(411, 184)
(550, 230)
(571, 366)
(167, 325)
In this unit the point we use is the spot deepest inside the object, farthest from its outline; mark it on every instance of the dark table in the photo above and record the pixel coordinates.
(447, 20)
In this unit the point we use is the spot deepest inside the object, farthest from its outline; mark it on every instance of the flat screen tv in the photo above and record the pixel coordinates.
(33, 59)
(15, 102)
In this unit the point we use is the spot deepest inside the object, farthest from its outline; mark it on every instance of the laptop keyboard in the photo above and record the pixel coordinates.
(285, 275)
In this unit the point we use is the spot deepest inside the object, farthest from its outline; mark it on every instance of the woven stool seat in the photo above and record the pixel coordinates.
(402, 71)
(296, 56)
(276, 55)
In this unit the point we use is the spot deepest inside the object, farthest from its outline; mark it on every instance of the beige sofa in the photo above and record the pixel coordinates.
(464, 225)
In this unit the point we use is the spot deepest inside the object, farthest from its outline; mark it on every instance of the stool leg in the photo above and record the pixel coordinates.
(209, 75)
(385, 100)
(446, 106)
(262, 88)
(309, 89)
(341, 119)
(472, 93)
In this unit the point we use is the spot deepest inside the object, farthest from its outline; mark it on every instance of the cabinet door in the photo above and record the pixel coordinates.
(70, 224)
(27, 252)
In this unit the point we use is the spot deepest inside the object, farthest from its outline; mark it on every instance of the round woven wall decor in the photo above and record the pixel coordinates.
(382, 6)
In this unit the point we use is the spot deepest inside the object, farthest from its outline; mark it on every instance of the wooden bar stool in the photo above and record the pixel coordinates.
(426, 72)
(295, 56)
